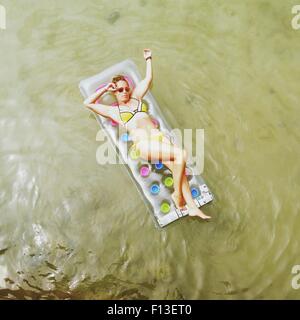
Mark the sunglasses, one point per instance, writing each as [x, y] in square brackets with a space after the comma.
[127, 89]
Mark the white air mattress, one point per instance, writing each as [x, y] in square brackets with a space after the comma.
[152, 188]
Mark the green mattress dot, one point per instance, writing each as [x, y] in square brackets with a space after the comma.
[164, 207]
[168, 182]
[134, 154]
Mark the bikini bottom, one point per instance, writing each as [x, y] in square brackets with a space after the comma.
[135, 151]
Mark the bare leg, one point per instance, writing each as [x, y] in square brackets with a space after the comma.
[192, 207]
[166, 152]
[177, 195]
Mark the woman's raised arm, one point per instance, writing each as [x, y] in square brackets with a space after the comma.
[144, 85]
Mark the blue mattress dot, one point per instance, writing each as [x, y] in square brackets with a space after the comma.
[125, 137]
[155, 189]
[195, 192]
[159, 165]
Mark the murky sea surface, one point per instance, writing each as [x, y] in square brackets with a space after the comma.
[71, 228]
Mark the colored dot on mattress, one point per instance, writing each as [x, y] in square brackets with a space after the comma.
[155, 189]
[188, 172]
[144, 171]
[113, 123]
[159, 165]
[155, 122]
[165, 207]
[168, 182]
[134, 154]
[195, 192]
[125, 137]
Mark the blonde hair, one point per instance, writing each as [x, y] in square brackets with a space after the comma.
[117, 78]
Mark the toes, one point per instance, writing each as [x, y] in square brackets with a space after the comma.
[196, 213]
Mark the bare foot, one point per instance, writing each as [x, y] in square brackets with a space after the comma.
[197, 212]
[179, 200]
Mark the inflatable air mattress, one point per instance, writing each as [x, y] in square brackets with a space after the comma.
[154, 181]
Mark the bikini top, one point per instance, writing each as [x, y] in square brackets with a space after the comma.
[126, 114]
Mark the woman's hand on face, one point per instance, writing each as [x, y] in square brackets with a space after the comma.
[147, 53]
[111, 87]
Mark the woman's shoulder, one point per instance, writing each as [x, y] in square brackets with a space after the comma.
[135, 98]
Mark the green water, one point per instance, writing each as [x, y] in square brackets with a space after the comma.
[70, 228]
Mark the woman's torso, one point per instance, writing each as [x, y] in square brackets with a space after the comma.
[140, 124]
